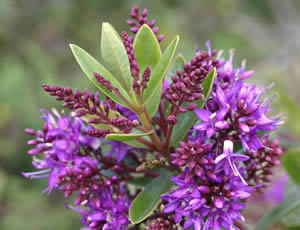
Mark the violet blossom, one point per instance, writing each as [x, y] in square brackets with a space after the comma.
[58, 143]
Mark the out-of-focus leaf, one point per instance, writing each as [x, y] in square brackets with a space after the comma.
[90, 65]
[285, 208]
[177, 64]
[291, 163]
[292, 109]
[186, 120]
[292, 220]
[126, 136]
[146, 202]
[115, 56]
[141, 181]
[160, 71]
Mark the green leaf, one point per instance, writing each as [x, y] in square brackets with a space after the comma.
[126, 136]
[141, 181]
[146, 48]
[292, 220]
[146, 202]
[292, 109]
[153, 103]
[136, 143]
[89, 65]
[289, 205]
[177, 64]
[148, 53]
[186, 120]
[291, 162]
[160, 71]
[115, 56]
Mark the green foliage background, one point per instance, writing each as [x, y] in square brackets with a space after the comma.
[34, 38]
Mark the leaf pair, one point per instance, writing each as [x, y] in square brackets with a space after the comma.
[148, 53]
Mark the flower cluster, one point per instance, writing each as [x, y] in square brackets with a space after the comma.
[71, 161]
[216, 181]
[198, 138]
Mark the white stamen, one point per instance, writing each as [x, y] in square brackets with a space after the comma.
[213, 115]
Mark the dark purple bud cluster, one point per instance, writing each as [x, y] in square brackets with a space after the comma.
[87, 103]
[261, 163]
[83, 178]
[100, 133]
[105, 83]
[141, 20]
[194, 154]
[163, 221]
[135, 69]
[83, 102]
[146, 77]
[124, 124]
[186, 85]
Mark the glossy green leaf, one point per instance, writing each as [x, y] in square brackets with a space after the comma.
[126, 136]
[148, 53]
[288, 206]
[146, 48]
[153, 103]
[291, 162]
[186, 120]
[147, 200]
[115, 56]
[160, 70]
[89, 65]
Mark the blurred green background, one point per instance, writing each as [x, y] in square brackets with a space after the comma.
[34, 39]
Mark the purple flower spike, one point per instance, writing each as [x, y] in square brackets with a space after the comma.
[139, 20]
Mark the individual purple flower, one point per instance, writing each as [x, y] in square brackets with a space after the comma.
[228, 158]
[211, 122]
[108, 212]
[59, 143]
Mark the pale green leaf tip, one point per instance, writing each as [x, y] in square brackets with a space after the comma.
[145, 26]
[72, 46]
